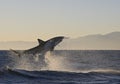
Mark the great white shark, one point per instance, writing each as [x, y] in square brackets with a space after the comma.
[42, 48]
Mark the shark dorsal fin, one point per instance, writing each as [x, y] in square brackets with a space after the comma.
[40, 41]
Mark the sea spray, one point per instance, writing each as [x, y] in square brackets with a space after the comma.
[54, 62]
[25, 62]
[49, 61]
[70, 61]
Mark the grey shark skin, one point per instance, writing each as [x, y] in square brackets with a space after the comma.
[43, 47]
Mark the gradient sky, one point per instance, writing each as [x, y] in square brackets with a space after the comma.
[27, 20]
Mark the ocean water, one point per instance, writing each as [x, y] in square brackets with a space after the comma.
[61, 67]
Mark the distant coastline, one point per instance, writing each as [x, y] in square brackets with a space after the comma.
[108, 41]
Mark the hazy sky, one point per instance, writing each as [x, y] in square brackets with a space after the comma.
[27, 20]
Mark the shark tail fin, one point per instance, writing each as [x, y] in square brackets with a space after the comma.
[16, 52]
[40, 41]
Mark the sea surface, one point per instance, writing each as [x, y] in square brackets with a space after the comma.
[61, 67]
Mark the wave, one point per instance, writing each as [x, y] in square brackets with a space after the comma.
[58, 77]
[48, 73]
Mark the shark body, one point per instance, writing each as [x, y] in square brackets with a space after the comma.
[43, 47]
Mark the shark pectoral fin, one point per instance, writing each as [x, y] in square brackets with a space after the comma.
[52, 48]
[19, 55]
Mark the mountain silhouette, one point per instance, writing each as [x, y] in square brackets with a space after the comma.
[110, 41]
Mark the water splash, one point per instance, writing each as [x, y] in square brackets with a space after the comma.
[55, 62]
[39, 62]
[64, 61]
